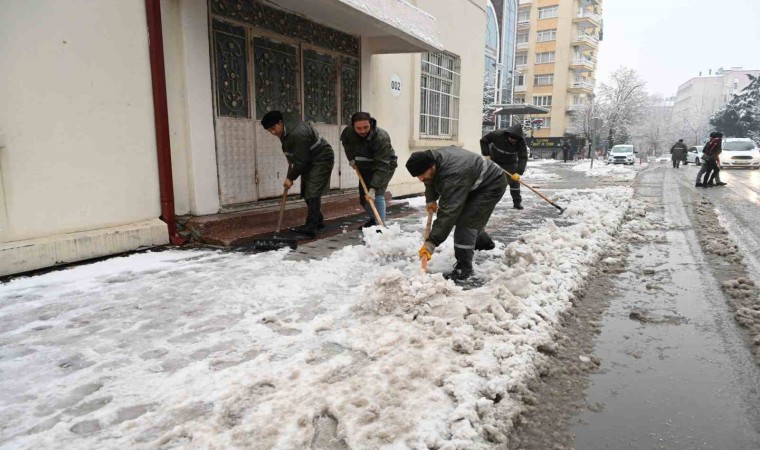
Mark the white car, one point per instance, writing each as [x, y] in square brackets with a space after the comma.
[621, 154]
[693, 156]
[740, 152]
[663, 158]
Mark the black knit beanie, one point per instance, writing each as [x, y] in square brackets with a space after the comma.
[419, 162]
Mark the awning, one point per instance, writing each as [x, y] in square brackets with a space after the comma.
[389, 26]
[519, 108]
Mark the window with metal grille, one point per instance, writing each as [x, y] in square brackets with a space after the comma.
[548, 12]
[543, 80]
[546, 35]
[543, 58]
[439, 102]
[542, 100]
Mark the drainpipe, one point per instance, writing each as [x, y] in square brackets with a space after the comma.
[161, 118]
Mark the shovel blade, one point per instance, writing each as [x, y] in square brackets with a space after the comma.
[266, 245]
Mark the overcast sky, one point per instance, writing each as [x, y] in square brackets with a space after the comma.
[670, 41]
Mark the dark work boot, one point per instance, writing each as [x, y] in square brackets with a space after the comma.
[484, 242]
[462, 271]
[367, 224]
[305, 229]
[312, 218]
[518, 205]
[463, 267]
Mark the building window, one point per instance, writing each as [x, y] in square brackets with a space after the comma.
[548, 12]
[546, 35]
[439, 102]
[523, 15]
[547, 122]
[519, 99]
[543, 58]
[542, 100]
[543, 80]
[519, 80]
[521, 59]
[522, 38]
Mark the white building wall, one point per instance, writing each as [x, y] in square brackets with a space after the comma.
[462, 26]
[77, 111]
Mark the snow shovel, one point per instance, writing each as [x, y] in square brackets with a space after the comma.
[276, 243]
[370, 200]
[427, 234]
[561, 210]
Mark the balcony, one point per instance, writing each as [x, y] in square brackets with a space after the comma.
[588, 41]
[582, 85]
[575, 108]
[522, 45]
[584, 63]
[523, 24]
[588, 18]
[526, 2]
[519, 88]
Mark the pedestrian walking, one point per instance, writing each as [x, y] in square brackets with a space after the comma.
[506, 147]
[710, 157]
[309, 157]
[368, 149]
[565, 150]
[463, 188]
[678, 153]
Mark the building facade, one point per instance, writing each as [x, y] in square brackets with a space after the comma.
[501, 23]
[700, 97]
[557, 45]
[88, 106]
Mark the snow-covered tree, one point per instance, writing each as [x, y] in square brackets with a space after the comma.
[740, 117]
[581, 119]
[489, 100]
[622, 104]
[656, 132]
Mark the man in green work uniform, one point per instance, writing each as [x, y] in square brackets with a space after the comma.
[464, 188]
[369, 149]
[310, 157]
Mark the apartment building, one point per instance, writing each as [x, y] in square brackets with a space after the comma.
[700, 97]
[556, 58]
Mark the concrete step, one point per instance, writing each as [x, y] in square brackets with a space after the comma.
[231, 229]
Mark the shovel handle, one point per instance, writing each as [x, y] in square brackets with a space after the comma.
[282, 209]
[561, 210]
[370, 200]
[427, 234]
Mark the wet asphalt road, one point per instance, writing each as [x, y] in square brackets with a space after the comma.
[683, 377]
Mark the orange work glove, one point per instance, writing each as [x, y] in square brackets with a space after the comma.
[427, 250]
[431, 207]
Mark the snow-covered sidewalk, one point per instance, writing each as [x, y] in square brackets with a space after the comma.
[206, 349]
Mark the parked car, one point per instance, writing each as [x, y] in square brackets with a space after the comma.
[621, 154]
[693, 156]
[740, 152]
[663, 158]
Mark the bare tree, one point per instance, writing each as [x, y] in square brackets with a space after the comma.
[622, 104]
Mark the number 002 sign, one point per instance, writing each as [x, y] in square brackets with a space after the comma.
[395, 85]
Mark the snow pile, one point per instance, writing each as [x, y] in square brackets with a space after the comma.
[533, 174]
[616, 172]
[222, 350]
